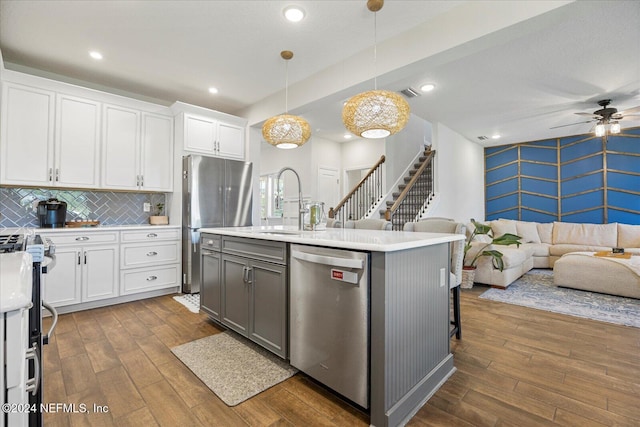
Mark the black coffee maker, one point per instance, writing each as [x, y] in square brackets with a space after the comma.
[52, 213]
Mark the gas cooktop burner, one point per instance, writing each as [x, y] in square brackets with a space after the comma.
[11, 242]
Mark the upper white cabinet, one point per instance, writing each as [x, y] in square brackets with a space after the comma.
[208, 134]
[213, 137]
[58, 135]
[27, 135]
[137, 150]
[77, 142]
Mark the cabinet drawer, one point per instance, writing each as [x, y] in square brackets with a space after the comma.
[80, 238]
[210, 241]
[148, 279]
[150, 235]
[143, 254]
[264, 250]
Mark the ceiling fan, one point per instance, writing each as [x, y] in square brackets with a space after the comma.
[607, 116]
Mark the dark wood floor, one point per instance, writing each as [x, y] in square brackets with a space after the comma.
[516, 367]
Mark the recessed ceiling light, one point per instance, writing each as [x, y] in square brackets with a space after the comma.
[213, 90]
[294, 13]
[95, 54]
[495, 136]
[348, 136]
[427, 87]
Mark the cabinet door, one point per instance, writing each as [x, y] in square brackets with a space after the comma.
[199, 134]
[157, 153]
[121, 147]
[235, 293]
[26, 138]
[77, 143]
[100, 272]
[230, 141]
[62, 285]
[210, 283]
[268, 308]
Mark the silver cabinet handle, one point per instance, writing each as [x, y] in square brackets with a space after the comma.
[50, 174]
[152, 235]
[78, 258]
[82, 238]
[33, 383]
[85, 258]
[151, 278]
[246, 275]
[57, 174]
[152, 253]
[141, 180]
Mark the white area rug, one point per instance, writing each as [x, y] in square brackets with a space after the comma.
[234, 368]
[191, 301]
[537, 290]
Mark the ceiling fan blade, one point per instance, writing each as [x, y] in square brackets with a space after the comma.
[588, 114]
[628, 117]
[630, 110]
[572, 124]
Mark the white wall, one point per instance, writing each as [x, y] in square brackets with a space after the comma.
[360, 154]
[459, 175]
[402, 148]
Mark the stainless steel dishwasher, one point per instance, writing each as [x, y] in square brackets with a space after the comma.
[329, 321]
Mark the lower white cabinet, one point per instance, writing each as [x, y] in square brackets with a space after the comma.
[149, 260]
[83, 273]
[95, 265]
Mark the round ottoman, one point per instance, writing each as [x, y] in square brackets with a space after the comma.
[583, 270]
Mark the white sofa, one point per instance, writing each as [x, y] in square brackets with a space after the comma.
[544, 243]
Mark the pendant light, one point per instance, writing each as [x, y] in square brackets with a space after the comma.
[376, 113]
[286, 131]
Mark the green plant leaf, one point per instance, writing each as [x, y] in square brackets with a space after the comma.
[507, 239]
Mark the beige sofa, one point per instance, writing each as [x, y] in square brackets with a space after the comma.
[544, 243]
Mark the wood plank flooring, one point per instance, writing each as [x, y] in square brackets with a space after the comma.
[516, 367]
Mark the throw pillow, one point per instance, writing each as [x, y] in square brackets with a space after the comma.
[628, 236]
[503, 226]
[528, 231]
[545, 231]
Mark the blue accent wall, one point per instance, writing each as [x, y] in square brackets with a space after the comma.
[579, 178]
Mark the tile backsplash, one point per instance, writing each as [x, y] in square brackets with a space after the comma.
[108, 207]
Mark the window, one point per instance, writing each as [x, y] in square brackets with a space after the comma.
[271, 191]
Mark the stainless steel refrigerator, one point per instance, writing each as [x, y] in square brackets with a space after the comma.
[215, 193]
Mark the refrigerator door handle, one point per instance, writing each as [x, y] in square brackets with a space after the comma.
[328, 260]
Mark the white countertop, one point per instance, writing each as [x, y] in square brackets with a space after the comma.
[366, 240]
[35, 230]
[16, 278]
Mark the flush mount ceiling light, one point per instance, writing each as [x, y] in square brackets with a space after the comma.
[376, 113]
[293, 13]
[286, 131]
[213, 90]
[95, 54]
[427, 87]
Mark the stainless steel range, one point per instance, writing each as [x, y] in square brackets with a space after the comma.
[42, 252]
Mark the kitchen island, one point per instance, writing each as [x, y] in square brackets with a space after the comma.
[408, 307]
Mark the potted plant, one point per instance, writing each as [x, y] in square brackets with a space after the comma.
[158, 218]
[470, 264]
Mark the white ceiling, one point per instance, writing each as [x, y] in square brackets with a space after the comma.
[518, 81]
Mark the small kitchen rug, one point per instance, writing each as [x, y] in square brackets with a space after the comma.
[234, 368]
[191, 301]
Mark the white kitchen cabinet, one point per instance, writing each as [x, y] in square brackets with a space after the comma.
[26, 140]
[213, 137]
[156, 164]
[87, 268]
[48, 139]
[137, 150]
[121, 148]
[77, 143]
[149, 260]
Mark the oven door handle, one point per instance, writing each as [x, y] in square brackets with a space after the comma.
[54, 313]
[33, 384]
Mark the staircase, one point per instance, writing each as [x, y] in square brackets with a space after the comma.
[414, 195]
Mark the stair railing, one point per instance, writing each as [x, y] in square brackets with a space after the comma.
[415, 196]
[363, 197]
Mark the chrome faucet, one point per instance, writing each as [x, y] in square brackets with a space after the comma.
[301, 209]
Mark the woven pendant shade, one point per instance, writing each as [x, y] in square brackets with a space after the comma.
[286, 131]
[375, 114]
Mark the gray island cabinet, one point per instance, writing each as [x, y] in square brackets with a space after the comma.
[409, 355]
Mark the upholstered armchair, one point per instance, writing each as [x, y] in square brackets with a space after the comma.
[445, 225]
[369, 224]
